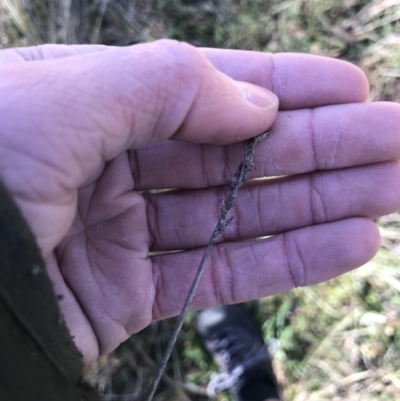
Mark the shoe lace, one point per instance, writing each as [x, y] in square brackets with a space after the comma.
[234, 358]
[224, 380]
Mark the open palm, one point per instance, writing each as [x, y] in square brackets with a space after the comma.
[86, 133]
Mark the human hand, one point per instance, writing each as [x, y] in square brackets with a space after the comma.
[83, 133]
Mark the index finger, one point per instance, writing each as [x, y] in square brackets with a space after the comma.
[299, 80]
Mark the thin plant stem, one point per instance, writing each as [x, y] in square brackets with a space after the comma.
[237, 181]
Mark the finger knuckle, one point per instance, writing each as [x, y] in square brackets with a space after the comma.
[188, 63]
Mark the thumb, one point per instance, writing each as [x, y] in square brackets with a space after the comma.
[61, 118]
[109, 101]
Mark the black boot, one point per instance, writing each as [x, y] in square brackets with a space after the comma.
[235, 343]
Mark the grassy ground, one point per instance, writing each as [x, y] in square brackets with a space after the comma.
[338, 340]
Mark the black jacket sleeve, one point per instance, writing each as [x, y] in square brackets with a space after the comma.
[38, 358]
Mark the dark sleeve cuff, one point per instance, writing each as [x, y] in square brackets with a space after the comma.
[38, 358]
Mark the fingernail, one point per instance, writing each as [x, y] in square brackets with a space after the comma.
[257, 95]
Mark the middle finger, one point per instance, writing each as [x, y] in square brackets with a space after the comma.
[185, 219]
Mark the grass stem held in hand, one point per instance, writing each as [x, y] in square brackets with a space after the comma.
[237, 181]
